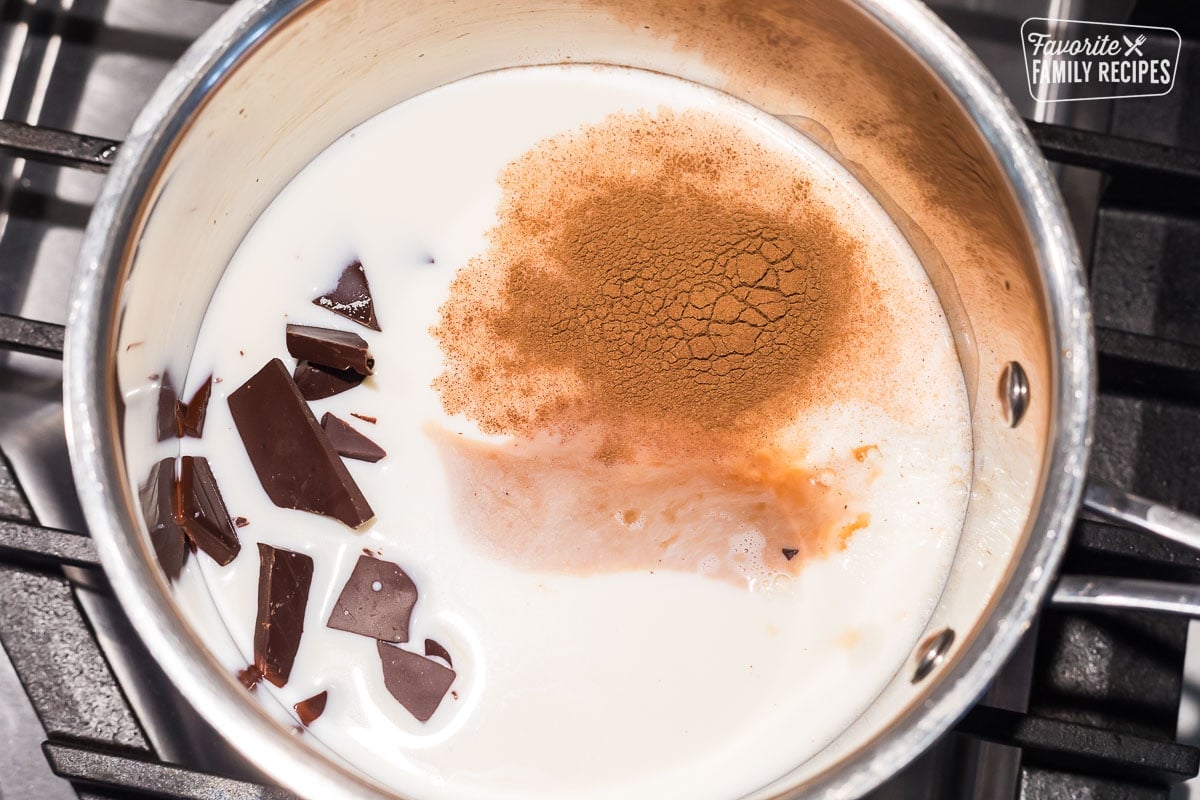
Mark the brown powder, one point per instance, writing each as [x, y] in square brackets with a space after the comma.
[661, 276]
[661, 297]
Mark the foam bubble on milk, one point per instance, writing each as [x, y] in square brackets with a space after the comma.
[647, 684]
[746, 551]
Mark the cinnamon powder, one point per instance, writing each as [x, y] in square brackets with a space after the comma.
[662, 296]
[658, 274]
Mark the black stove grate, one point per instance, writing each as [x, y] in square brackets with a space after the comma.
[31, 336]
[1100, 717]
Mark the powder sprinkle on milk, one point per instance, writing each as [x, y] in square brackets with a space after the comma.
[662, 295]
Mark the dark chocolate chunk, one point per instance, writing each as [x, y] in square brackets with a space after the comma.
[308, 710]
[417, 683]
[193, 412]
[330, 348]
[284, 578]
[432, 648]
[351, 298]
[171, 549]
[316, 382]
[158, 510]
[349, 442]
[241, 522]
[168, 409]
[202, 511]
[250, 676]
[294, 461]
[789, 553]
[377, 601]
[176, 418]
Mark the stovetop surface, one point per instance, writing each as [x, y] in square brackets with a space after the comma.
[81, 698]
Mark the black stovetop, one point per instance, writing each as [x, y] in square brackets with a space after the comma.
[1088, 706]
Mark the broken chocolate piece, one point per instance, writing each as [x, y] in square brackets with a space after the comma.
[351, 298]
[193, 412]
[176, 418]
[284, 578]
[789, 553]
[158, 511]
[417, 683]
[294, 461]
[364, 417]
[331, 348]
[168, 409]
[432, 648]
[202, 511]
[308, 710]
[377, 601]
[317, 383]
[250, 676]
[349, 442]
[241, 522]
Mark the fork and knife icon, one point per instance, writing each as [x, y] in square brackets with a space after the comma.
[1134, 46]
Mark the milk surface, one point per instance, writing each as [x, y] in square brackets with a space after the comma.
[627, 684]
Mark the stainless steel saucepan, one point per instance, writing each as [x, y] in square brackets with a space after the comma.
[882, 84]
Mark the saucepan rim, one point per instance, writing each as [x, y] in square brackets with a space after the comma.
[88, 377]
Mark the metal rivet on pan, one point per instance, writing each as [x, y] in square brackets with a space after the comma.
[932, 652]
[1014, 393]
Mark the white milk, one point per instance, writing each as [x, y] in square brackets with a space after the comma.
[621, 685]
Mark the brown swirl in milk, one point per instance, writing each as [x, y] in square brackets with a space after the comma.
[551, 505]
[661, 298]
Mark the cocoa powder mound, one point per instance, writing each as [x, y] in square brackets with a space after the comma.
[662, 279]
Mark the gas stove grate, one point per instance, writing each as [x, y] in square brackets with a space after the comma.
[31, 336]
[45, 546]
[132, 773]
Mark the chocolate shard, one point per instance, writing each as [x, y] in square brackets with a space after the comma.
[351, 298]
[417, 683]
[284, 578]
[377, 601]
[308, 710]
[435, 650]
[294, 461]
[249, 677]
[176, 418]
[789, 553]
[240, 522]
[158, 509]
[202, 511]
[330, 348]
[168, 409]
[317, 383]
[348, 442]
[193, 412]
